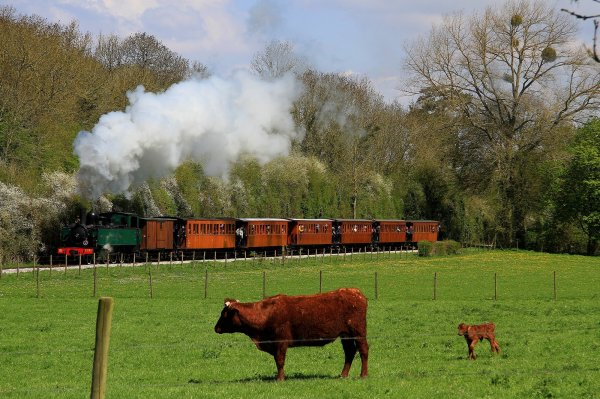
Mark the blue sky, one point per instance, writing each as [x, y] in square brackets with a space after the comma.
[362, 37]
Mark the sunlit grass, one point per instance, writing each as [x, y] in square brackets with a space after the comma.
[165, 346]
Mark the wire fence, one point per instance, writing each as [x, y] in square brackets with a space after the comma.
[385, 279]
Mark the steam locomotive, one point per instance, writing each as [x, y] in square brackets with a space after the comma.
[128, 233]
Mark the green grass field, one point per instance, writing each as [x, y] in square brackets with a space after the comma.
[165, 346]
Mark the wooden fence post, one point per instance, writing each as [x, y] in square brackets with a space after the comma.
[495, 286]
[95, 276]
[320, 281]
[150, 281]
[36, 267]
[205, 283]
[103, 327]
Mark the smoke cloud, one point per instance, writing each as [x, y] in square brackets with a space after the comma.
[211, 121]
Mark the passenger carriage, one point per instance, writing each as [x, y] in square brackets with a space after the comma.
[310, 232]
[352, 232]
[207, 234]
[261, 233]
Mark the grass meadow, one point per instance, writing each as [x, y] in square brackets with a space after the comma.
[164, 346]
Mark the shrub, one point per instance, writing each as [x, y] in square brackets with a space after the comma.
[425, 248]
[439, 248]
[452, 247]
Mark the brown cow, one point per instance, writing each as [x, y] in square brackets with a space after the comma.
[478, 332]
[281, 322]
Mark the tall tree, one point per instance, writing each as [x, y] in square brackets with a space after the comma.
[515, 77]
[578, 198]
[337, 113]
[277, 59]
[151, 57]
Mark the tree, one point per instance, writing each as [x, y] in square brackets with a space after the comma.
[594, 17]
[338, 114]
[150, 57]
[578, 198]
[516, 80]
[277, 59]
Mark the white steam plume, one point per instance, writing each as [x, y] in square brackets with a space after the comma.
[211, 121]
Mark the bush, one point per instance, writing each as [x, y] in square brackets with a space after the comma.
[439, 248]
[425, 248]
[452, 247]
[447, 247]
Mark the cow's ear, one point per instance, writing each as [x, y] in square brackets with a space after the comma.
[228, 302]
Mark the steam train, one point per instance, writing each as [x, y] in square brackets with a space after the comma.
[127, 233]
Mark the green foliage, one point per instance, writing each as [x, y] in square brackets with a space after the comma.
[549, 54]
[516, 20]
[578, 196]
[162, 199]
[446, 247]
[438, 248]
[425, 248]
[188, 177]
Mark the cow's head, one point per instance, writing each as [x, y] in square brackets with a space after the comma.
[462, 329]
[229, 321]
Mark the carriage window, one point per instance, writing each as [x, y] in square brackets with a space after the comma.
[195, 229]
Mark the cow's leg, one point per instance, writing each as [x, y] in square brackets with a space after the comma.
[363, 349]
[349, 346]
[280, 361]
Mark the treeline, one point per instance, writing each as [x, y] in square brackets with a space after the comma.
[502, 149]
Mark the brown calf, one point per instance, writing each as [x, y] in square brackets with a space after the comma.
[281, 322]
[478, 332]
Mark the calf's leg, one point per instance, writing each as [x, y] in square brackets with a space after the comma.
[471, 344]
[495, 346]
